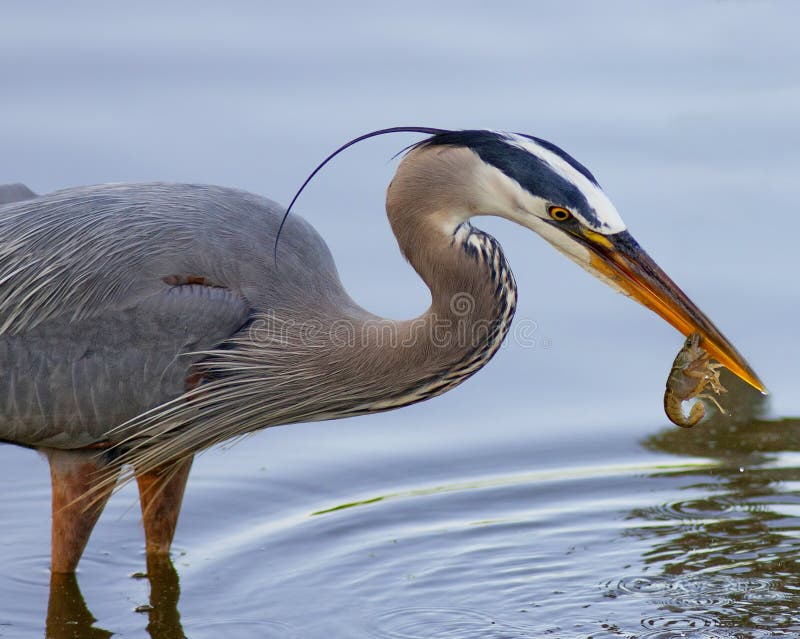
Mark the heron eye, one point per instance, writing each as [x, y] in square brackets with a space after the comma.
[559, 213]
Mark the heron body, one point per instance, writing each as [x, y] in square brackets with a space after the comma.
[143, 323]
[106, 335]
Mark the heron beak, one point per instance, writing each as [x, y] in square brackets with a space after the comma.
[622, 260]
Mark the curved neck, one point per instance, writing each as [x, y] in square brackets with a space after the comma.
[473, 302]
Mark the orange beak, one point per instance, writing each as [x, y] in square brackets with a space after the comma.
[619, 258]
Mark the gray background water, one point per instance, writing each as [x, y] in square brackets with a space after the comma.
[687, 112]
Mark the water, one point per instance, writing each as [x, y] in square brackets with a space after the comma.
[685, 532]
[547, 496]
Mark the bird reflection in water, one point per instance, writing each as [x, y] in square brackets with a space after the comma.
[68, 617]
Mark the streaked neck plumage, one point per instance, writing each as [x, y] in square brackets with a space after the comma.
[473, 302]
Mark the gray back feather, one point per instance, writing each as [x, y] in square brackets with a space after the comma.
[81, 252]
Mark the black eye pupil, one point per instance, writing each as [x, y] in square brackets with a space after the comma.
[559, 214]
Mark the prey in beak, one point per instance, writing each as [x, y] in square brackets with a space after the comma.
[619, 258]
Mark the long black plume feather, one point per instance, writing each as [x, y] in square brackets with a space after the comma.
[394, 129]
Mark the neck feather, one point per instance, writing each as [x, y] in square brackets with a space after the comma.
[473, 302]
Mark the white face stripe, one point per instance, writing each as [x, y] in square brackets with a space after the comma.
[611, 222]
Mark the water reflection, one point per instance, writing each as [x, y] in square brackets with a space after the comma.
[69, 618]
[67, 614]
[724, 553]
[164, 620]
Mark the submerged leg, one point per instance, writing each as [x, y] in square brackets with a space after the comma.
[72, 474]
[161, 495]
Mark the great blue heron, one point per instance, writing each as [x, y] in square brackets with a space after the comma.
[142, 323]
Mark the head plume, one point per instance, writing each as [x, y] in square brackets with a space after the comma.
[347, 145]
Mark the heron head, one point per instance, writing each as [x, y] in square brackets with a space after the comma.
[537, 185]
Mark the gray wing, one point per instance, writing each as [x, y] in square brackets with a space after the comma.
[67, 384]
[15, 193]
[99, 301]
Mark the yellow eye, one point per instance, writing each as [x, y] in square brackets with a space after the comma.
[559, 213]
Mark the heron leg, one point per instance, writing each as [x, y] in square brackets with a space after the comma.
[161, 495]
[73, 474]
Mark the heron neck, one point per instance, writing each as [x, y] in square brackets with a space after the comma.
[473, 301]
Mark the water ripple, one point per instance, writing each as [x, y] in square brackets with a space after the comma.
[244, 628]
[638, 585]
[438, 623]
[680, 621]
[703, 633]
[688, 512]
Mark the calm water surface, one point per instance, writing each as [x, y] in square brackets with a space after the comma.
[547, 496]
